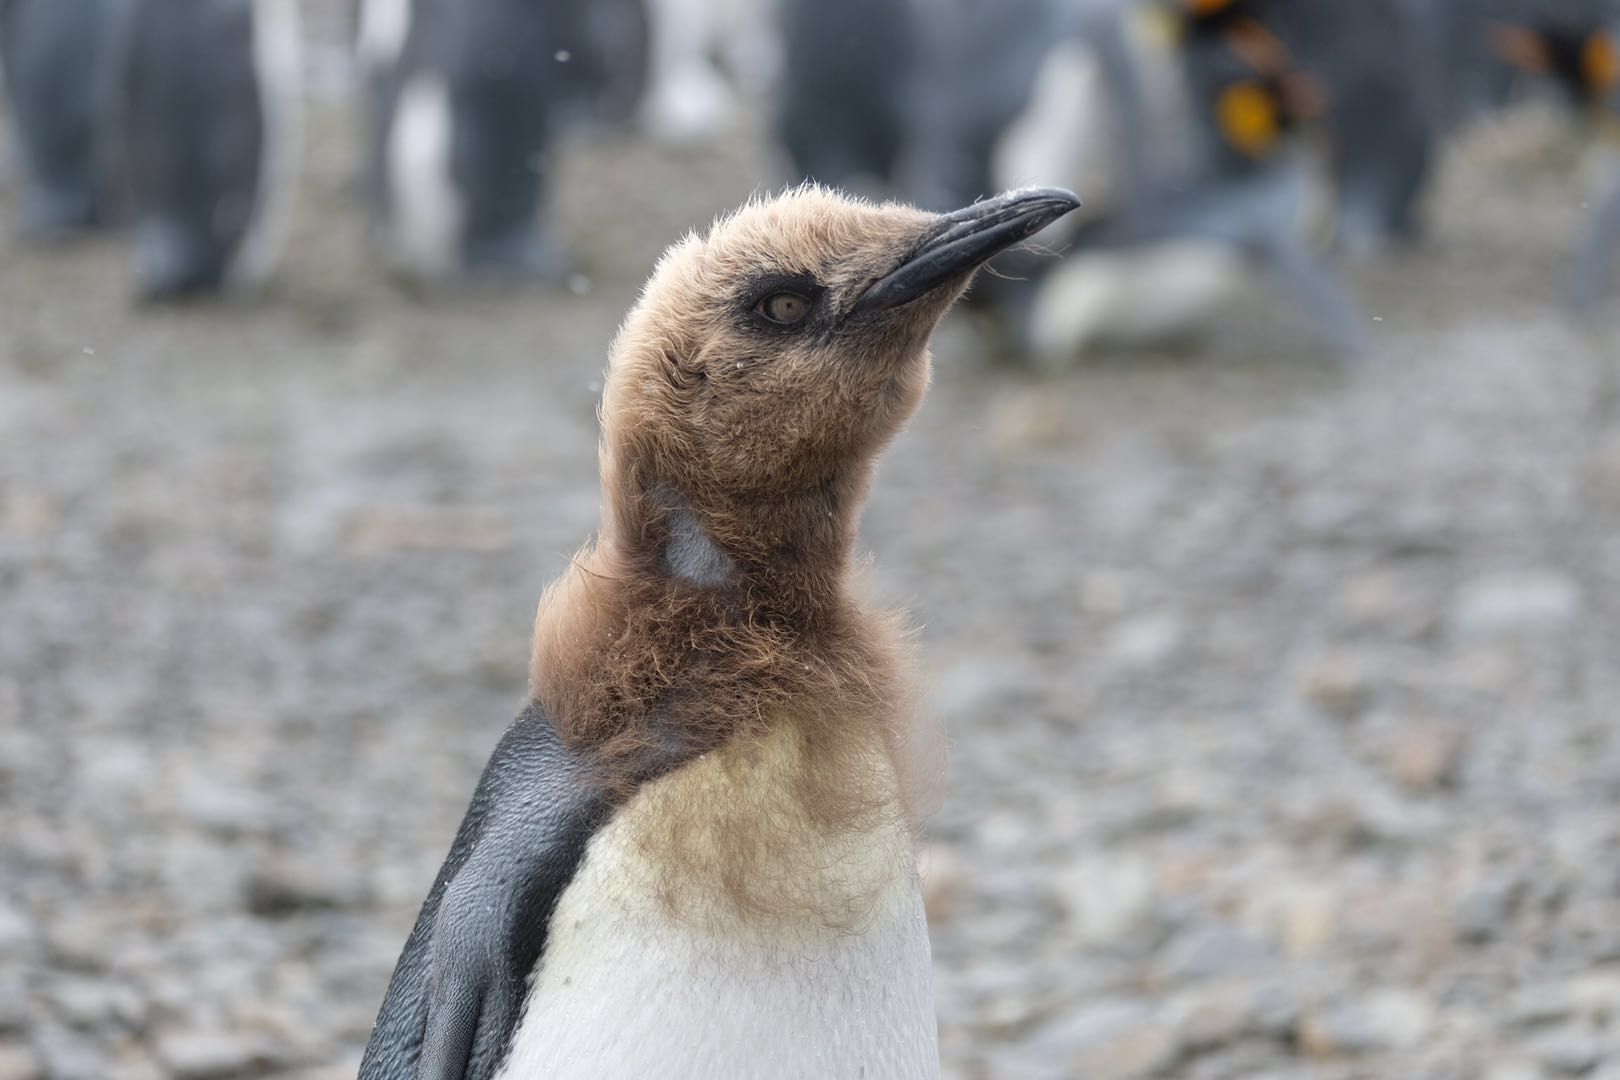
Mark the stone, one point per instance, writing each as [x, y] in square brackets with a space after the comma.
[1116, 1039]
[1570, 1052]
[17, 1062]
[1514, 1069]
[1425, 756]
[1339, 683]
[1377, 598]
[18, 934]
[377, 530]
[1486, 910]
[218, 805]
[284, 884]
[1147, 641]
[1309, 919]
[68, 1055]
[1104, 896]
[1106, 594]
[213, 1055]
[1386, 1020]
[1212, 1017]
[1207, 952]
[945, 882]
[1517, 601]
[92, 1002]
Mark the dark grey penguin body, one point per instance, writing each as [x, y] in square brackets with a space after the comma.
[466, 101]
[56, 55]
[957, 122]
[1382, 93]
[844, 101]
[1568, 50]
[458, 988]
[207, 120]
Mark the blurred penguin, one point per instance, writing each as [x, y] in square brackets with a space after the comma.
[55, 56]
[703, 53]
[467, 99]
[1573, 47]
[1183, 232]
[208, 121]
[1382, 96]
[845, 100]
[973, 79]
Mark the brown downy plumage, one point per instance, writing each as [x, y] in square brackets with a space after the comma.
[748, 395]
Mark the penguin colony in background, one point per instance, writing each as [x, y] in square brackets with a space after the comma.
[1222, 137]
[180, 116]
[691, 856]
[466, 99]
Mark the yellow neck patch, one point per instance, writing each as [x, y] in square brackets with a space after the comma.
[1600, 62]
[1246, 115]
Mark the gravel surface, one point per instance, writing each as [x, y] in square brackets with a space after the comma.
[1283, 692]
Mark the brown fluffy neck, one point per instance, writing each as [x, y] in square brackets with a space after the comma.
[646, 669]
[784, 551]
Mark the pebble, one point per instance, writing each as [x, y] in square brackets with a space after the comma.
[1486, 910]
[1215, 951]
[1104, 896]
[1425, 756]
[285, 884]
[18, 935]
[1517, 601]
[213, 1055]
[93, 1002]
[1340, 684]
[1572, 1051]
[1385, 1020]
[1144, 642]
[17, 1062]
[1121, 1040]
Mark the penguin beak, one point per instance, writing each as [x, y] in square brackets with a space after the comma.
[965, 239]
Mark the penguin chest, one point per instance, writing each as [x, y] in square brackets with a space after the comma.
[715, 929]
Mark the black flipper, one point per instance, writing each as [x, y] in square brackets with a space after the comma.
[457, 992]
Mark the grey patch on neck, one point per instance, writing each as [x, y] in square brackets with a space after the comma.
[690, 555]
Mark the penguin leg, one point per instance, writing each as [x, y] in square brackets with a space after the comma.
[1317, 289]
[56, 212]
[521, 254]
[1593, 272]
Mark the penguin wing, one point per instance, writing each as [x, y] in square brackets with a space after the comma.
[458, 990]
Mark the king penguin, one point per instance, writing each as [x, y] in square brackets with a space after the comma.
[691, 855]
[208, 123]
[54, 60]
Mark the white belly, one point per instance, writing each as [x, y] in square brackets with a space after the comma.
[1143, 296]
[816, 966]
[624, 999]
[277, 64]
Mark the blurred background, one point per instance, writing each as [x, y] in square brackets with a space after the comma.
[1264, 545]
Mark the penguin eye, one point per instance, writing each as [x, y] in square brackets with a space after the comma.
[784, 308]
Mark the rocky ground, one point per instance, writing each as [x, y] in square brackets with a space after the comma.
[1283, 693]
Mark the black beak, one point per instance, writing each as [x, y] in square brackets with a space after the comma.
[965, 239]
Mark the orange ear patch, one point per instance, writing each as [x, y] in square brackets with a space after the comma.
[1258, 47]
[1247, 116]
[1524, 49]
[1204, 8]
[1600, 62]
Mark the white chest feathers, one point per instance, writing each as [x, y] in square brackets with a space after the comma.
[730, 923]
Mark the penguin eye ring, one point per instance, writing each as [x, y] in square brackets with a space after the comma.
[784, 308]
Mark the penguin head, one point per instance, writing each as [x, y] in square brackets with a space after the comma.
[784, 347]
[1579, 56]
